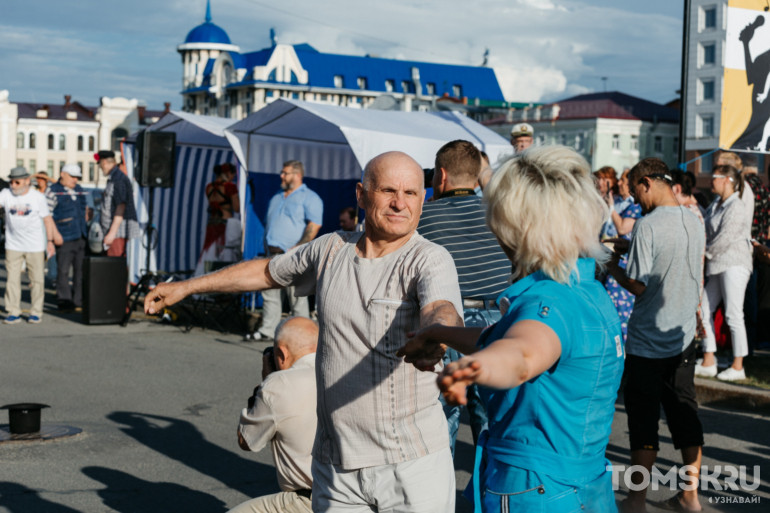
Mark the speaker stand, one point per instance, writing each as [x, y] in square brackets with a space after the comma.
[142, 287]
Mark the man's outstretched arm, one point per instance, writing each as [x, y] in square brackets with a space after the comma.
[247, 276]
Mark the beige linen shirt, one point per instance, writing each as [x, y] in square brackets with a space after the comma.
[373, 409]
[285, 413]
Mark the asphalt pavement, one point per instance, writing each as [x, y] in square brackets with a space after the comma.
[158, 408]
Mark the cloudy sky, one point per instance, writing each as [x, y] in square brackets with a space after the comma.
[541, 50]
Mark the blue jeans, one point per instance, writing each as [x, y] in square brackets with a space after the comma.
[474, 317]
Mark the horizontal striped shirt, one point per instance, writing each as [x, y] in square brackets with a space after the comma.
[458, 224]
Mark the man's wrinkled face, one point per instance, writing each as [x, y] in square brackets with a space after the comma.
[68, 180]
[521, 142]
[20, 186]
[106, 165]
[393, 198]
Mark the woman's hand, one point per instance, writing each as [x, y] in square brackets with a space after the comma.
[457, 376]
[423, 348]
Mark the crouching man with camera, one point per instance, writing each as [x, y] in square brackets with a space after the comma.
[282, 411]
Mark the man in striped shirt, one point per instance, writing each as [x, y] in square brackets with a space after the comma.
[456, 220]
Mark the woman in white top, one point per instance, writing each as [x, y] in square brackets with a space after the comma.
[728, 268]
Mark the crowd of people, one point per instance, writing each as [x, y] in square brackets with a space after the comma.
[473, 299]
[50, 221]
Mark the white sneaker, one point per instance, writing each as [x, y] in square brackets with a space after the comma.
[705, 372]
[730, 374]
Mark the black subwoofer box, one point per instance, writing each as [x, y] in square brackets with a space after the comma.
[104, 289]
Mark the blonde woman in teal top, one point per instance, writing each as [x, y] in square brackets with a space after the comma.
[551, 367]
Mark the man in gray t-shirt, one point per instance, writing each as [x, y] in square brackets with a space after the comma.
[665, 266]
[382, 437]
[666, 256]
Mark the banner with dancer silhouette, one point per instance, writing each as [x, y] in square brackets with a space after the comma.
[745, 123]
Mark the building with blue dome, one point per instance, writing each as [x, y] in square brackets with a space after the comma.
[219, 80]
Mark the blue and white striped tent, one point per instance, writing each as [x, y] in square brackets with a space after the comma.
[179, 212]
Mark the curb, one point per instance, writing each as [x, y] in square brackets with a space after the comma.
[741, 397]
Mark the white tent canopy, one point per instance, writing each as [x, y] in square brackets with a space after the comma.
[193, 129]
[340, 131]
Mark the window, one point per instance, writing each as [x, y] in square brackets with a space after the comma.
[50, 142]
[707, 90]
[61, 165]
[707, 125]
[33, 166]
[457, 91]
[227, 73]
[20, 140]
[91, 143]
[32, 141]
[324, 97]
[362, 83]
[709, 54]
[226, 112]
[675, 148]
[233, 98]
[430, 87]
[49, 167]
[91, 168]
[615, 141]
[247, 108]
[338, 81]
[709, 17]
[19, 162]
[80, 143]
[658, 144]
[62, 141]
[563, 139]
[268, 93]
[406, 86]
[390, 85]
[634, 143]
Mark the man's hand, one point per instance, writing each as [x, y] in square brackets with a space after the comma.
[51, 249]
[761, 252]
[58, 240]
[109, 239]
[165, 294]
[457, 376]
[423, 349]
[619, 245]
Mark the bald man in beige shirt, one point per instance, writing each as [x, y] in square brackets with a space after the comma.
[284, 414]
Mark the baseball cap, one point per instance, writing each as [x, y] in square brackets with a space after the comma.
[72, 170]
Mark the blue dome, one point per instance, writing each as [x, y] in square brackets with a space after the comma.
[207, 33]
